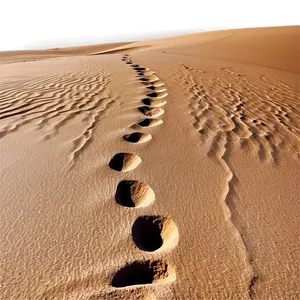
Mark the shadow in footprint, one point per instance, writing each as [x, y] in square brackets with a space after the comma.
[150, 122]
[143, 272]
[139, 69]
[146, 233]
[132, 193]
[137, 137]
[152, 95]
[154, 103]
[124, 162]
[151, 87]
[150, 233]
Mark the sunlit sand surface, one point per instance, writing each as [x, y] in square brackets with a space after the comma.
[160, 169]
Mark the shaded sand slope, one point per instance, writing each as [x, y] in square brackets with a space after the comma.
[172, 173]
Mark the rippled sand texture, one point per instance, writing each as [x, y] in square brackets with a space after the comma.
[161, 169]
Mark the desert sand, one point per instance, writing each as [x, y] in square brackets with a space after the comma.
[158, 169]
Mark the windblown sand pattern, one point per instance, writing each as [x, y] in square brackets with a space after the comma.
[237, 111]
[51, 103]
[161, 169]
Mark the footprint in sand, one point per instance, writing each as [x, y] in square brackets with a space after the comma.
[150, 122]
[151, 233]
[133, 193]
[124, 162]
[144, 272]
[158, 95]
[159, 88]
[149, 79]
[154, 103]
[137, 137]
[145, 74]
[140, 69]
[151, 112]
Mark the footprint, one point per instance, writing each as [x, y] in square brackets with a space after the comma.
[159, 89]
[137, 137]
[158, 95]
[150, 122]
[144, 272]
[132, 193]
[151, 78]
[151, 233]
[154, 103]
[144, 70]
[151, 112]
[156, 86]
[124, 162]
[139, 69]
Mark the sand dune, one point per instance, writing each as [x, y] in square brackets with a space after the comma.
[160, 169]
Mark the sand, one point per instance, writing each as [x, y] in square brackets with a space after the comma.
[160, 169]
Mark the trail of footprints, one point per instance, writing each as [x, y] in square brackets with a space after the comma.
[150, 233]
